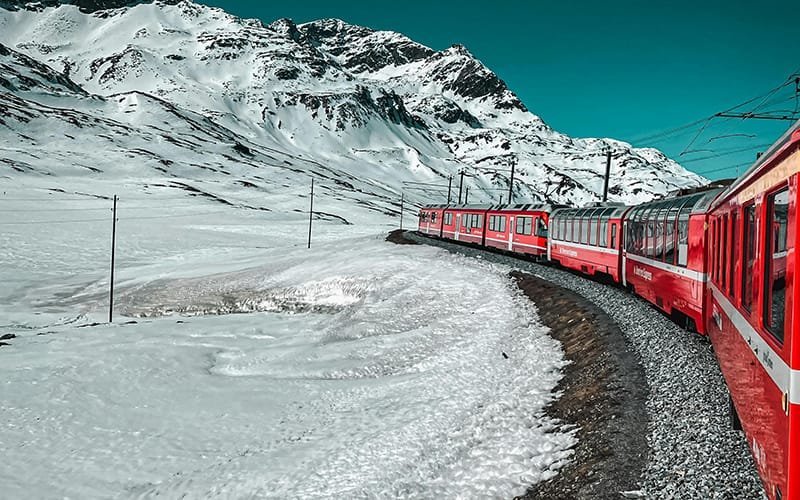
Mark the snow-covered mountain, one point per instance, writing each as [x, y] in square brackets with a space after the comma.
[211, 103]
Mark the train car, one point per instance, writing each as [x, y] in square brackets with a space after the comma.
[588, 240]
[466, 223]
[521, 228]
[663, 259]
[751, 253]
[431, 219]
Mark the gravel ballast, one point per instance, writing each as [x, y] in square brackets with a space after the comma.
[693, 453]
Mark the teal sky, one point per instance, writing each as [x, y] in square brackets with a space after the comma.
[623, 69]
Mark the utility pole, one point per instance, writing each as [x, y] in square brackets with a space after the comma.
[511, 182]
[608, 174]
[402, 195]
[449, 185]
[113, 252]
[466, 197]
[460, 186]
[310, 212]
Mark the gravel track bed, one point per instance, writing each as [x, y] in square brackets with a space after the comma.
[693, 451]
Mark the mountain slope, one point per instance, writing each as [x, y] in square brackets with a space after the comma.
[374, 106]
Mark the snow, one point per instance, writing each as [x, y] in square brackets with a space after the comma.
[242, 364]
[227, 69]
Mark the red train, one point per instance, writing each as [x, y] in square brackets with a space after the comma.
[720, 262]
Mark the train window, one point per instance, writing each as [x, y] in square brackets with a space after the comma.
[733, 247]
[524, 225]
[613, 235]
[666, 234]
[433, 217]
[585, 228]
[749, 256]
[541, 227]
[497, 223]
[715, 247]
[562, 231]
[477, 220]
[724, 244]
[670, 236]
[603, 233]
[650, 232]
[683, 239]
[448, 219]
[775, 264]
[571, 230]
[593, 231]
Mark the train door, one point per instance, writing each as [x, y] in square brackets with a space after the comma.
[510, 232]
[458, 226]
[791, 318]
[623, 252]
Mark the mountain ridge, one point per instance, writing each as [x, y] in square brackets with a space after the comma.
[374, 103]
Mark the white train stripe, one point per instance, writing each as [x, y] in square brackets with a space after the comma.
[787, 380]
[688, 273]
[794, 388]
[505, 242]
[612, 251]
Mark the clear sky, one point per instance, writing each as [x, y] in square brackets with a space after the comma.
[625, 69]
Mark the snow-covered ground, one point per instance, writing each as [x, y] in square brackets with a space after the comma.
[242, 364]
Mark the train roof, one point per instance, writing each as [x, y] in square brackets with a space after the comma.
[605, 209]
[517, 206]
[693, 203]
[792, 135]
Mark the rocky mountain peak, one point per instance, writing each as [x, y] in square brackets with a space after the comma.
[327, 91]
[86, 6]
[287, 28]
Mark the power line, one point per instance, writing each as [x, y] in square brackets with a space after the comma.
[727, 153]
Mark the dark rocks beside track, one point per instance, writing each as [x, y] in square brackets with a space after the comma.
[398, 236]
[603, 394]
[689, 448]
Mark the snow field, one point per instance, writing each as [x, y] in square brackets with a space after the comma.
[256, 367]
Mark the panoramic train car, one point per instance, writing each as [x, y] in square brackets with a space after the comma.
[751, 322]
[430, 219]
[467, 223]
[663, 259]
[588, 240]
[519, 228]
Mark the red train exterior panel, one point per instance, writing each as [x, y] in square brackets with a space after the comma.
[430, 220]
[520, 229]
[752, 313]
[664, 255]
[588, 240]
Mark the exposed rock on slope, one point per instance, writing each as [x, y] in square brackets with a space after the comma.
[374, 104]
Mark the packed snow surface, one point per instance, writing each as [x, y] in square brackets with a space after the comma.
[241, 364]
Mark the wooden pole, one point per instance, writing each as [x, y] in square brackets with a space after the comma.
[460, 186]
[449, 185]
[310, 212]
[608, 174]
[511, 182]
[113, 255]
